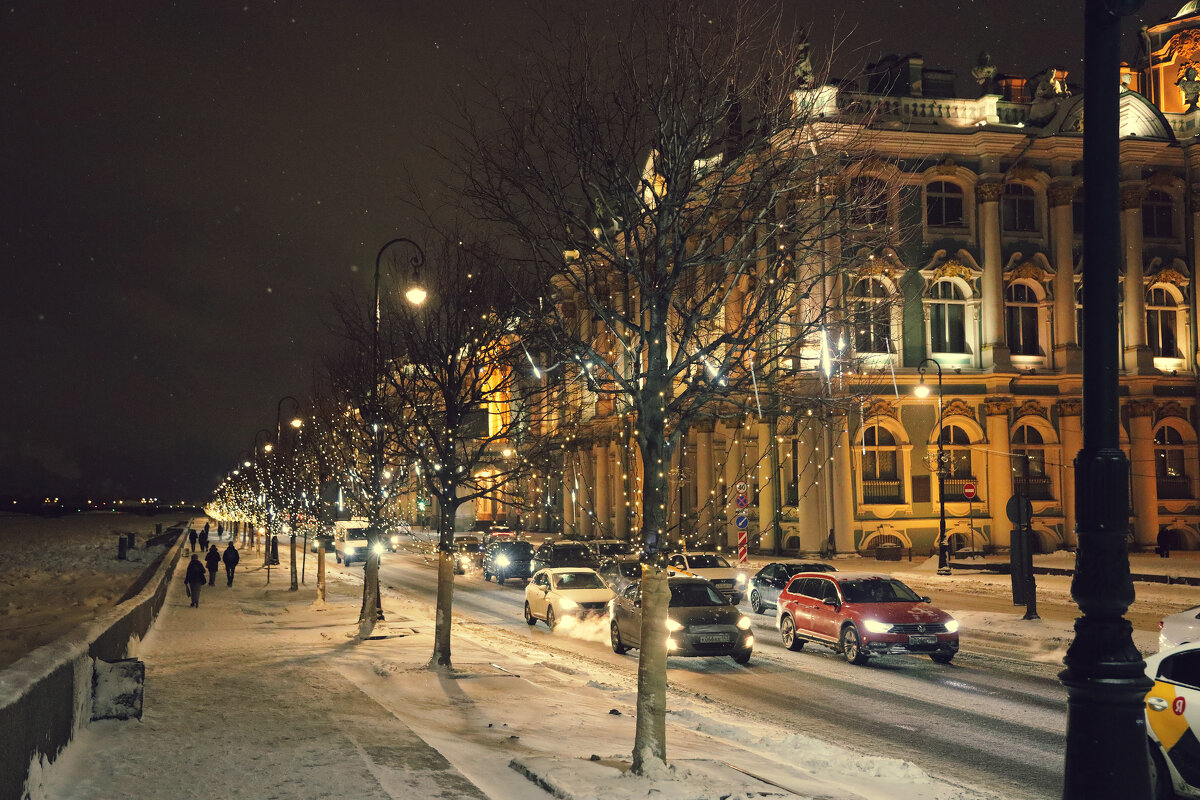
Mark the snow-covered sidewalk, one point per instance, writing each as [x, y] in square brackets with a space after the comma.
[258, 694]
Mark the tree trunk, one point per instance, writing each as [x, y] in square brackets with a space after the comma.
[445, 588]
[372, 608]
[321, 572]
[295, 572]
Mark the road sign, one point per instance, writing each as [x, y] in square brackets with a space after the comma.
[741, 487]
[969, 491]
[742, 521]
[742, 501]
[1019, 510]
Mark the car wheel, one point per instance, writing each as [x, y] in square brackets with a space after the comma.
[618, 646]
[551, 622]
[942, 658]
[500, 580]
[742, 658]
[756, 603]
[787, 630]
[487, 576]
[1160, 778]
[852, 646]
[529, 618]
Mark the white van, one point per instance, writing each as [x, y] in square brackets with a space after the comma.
[350, 541]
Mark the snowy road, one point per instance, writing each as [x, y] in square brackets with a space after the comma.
[980, 722]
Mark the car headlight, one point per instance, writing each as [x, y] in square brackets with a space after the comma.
[673, 626]
[875, 626]
[395, 540]
[744, 623]
[378, 548]
[350, 549]
[567, 604]
[741, 579]
[951, 626]
[502, 561]
[672, 644]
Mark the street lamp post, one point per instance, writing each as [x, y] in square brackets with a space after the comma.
[264, 487]
[295, 424]
[923, 391]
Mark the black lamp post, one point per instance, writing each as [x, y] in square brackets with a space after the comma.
[923, 391]
[1105, 675]
[295, 424]
[264, 485]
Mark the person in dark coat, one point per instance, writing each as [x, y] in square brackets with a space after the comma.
[231, 559]
[192, 538]
[220, 531]
[194, 579]
[204, 538]
[212, 560]
[1164, 544]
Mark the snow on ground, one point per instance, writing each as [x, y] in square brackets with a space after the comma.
[59, 571]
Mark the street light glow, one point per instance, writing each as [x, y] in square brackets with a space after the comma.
[921, 391]
[416, 295]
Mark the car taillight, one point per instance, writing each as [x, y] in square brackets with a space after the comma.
[1160, 622]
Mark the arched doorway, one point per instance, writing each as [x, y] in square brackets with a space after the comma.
[1181, 539]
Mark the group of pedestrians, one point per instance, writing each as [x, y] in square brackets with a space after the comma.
[195, 578]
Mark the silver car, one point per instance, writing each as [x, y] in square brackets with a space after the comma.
[1179, 628]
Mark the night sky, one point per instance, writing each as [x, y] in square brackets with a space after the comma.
[187, 185]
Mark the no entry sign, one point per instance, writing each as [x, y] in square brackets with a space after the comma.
[969, 491]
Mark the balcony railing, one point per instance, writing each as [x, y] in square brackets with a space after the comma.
[1174, 487]
[880, 492]
[954, 490]
[1035, 487]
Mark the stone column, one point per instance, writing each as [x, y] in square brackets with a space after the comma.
[603, 518]
[705, 499]
[570, 525]
[621, 499]
[766, 494]
[994, 347]
[1137, 355]
[587, 491]
[1067, 354]
[843, 487]
[733, 470]
[1142, 472]
[1071, 436]
[999, 468]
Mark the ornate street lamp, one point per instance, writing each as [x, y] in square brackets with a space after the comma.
[923, 391]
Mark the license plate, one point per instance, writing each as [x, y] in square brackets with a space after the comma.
[713, 638]
[922, 640]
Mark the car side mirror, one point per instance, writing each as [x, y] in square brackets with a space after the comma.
[829, 601]
[926, 599]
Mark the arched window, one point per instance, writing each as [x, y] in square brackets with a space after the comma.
[948, 318]
[944, 205]
[867, 203]
[1018, 208]
[957, 446]
[1029, 464]
[871, 317]
[880, 466]
[1170, 465]
[1158, 210]
[1162, 320]
[1022, 307]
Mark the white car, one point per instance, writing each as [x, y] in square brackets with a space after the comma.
[350, 542]
[1179, 629]
[1173, 720]
[713, 567]
[557, 592]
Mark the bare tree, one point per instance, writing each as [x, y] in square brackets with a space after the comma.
[473, 411]
[685, 195]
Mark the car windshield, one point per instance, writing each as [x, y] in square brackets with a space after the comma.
[792, 569]
[572, 551]
[877, 590]
[706, 562]
[578, 580]
[691, 595]
[467, 543]
[612, 548]
[516, 549]
[630, 569]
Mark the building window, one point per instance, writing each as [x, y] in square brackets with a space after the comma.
[1158, 216]
[1162, 317]
[1029, 464]
[1170, 475]
[957, 446]
[944, 205]
[871, 316]
[1022, 309]
[880, 466]
[867, 204]
[1018, 208]
[948, 318]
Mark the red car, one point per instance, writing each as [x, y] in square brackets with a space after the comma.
[862, 614]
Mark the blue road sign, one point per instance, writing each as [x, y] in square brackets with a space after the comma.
[742, 521]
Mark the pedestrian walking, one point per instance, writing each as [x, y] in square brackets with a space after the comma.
[220, 531]
[204, 538]
[194, 579]
[231, 559]
[212, 560]
[192, 538]
[1164, 544]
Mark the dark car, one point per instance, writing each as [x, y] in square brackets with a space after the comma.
[603, 548]
[563, 554]
[620, 571]
[863, 614]
[317, 539]
[507, 558]
[700, 619]
[769, 581]
[468, 553]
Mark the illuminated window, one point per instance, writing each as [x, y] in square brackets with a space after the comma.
[947, 318]
[1162, 320]
[1022, 318]
[1169, 464]
[957, 446]
[871, 316]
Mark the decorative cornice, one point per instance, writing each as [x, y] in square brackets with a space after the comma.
[947, 167]
[1070, 408]
[1141, 408]
[989, 192]
[1162, 179]
[1186, 46]
[881, 408]
[952, 269]
[1132, 197]
[1032, 407]
[1062, 194]
[1172, 408]
[996, 406]
[1170, 275]
[1029, 270]
[1025, 172]
[957, 408]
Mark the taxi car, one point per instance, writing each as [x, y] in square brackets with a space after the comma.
[1172, 719]
[863, 614]
[728, 579]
